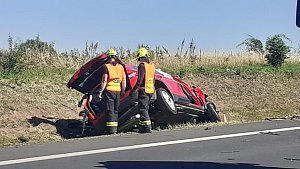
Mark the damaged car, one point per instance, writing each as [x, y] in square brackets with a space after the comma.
[174, 101]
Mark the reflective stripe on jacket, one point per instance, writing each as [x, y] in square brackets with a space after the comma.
[115, 76]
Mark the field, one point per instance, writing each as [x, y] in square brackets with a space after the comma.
[36, 105]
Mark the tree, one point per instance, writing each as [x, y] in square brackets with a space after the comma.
[276, 50]
[37, 46]
[10, 60]
[253, 45]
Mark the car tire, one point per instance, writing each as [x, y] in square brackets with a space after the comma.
[165, 102]
[211, 112]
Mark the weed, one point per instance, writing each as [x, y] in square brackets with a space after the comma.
[241, 84]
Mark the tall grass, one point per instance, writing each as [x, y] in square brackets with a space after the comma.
[233, 63]
[41, 61]
[40, 75]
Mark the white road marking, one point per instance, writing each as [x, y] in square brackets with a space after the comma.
[106, 150]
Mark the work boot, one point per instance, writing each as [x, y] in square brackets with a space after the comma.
[110, 130]
[144, 129]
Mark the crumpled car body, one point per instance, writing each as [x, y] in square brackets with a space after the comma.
[173, 102]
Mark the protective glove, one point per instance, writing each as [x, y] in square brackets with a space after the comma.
[100, 95]
[122, 93]
[79, 104]
[131, 93]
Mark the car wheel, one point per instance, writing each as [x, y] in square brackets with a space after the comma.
[211, 112]
[165, 102]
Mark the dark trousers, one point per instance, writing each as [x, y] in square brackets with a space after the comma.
[112, 100]
[143, 105]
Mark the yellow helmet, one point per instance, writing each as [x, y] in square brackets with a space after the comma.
[142, 52]
[112, 52]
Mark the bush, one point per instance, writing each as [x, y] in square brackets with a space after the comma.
[11, 60]
[22, 55]
[37, 53]
[37, 46]
[276, 50]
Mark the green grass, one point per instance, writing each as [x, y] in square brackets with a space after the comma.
[62, 75]
[52, 75]
[288, 69]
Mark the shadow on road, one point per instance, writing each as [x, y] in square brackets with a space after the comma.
[177, 165]
[67, 128]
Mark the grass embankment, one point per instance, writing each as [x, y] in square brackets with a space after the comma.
[52, 75]
[253, 94]
[36, 106]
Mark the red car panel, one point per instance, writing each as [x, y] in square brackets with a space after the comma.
[189, 101]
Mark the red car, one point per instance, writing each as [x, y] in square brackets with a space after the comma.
[173, 102]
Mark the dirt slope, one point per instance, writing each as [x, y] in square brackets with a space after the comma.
[35, 112]
[40, 111]
[253, 97]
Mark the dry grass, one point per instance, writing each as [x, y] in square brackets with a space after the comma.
[237, 59]
[32, 112]
[212, 60]
[252, 98]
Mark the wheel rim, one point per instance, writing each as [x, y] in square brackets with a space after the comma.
[169, 100]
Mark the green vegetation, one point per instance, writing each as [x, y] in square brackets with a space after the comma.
[276, 50]
[37, 60]
[36, 102]
[253, 45]
[10, 60]
[288, 69]
[39, 74]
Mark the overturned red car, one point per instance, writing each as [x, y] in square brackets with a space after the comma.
[173, 102]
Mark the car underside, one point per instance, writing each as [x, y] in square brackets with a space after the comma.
[174, 101]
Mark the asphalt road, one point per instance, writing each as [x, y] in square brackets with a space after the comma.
[246, 146]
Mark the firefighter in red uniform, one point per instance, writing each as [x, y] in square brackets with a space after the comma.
[113, 85]
[145, 88]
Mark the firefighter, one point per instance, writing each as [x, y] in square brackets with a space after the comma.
[113, 85]
[145, 88]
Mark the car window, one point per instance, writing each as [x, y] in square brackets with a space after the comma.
[162, 73]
